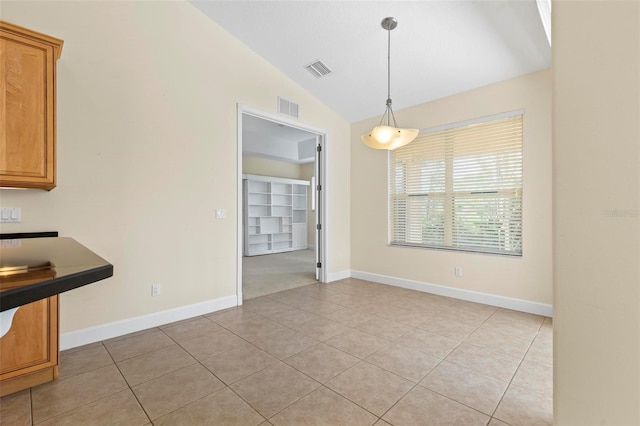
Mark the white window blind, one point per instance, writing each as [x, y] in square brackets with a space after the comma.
[460, 188]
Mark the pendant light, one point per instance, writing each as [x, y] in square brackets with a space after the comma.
[387, 134]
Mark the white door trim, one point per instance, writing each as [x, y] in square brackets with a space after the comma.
[323, 202]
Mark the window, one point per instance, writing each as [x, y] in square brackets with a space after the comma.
[460, 188]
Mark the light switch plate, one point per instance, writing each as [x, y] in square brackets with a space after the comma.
[221, 214]
[10, 214]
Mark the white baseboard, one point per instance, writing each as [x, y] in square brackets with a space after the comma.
[98, 333]
[458, 293]
[336, 276]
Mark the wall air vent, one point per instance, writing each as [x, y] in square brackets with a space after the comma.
[318, 69]
[288, 107]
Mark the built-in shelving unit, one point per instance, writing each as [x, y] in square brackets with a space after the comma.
[275, 214]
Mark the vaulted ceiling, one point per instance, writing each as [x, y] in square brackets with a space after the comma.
[440, 47]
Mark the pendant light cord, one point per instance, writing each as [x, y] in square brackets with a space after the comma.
[389, 67]
[388, 113]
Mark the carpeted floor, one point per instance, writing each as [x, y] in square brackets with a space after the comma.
[271, 273]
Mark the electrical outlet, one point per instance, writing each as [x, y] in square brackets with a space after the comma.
[221, 214]
[155, 289]
[457, 271]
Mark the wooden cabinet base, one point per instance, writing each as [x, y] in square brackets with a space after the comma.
[29, 351]
[26, 381]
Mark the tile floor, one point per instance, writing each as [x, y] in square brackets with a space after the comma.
[347, 353]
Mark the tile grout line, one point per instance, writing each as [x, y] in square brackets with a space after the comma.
[434, 367]
[31, 405]
[226, 386]
[391, 341]
[443, 359]
[364, 359]
[197, 361]
[351, 306]
[127, 382]
[490, 416]
[301, 372]
[361, 360]
[90, 402]
[515, 372]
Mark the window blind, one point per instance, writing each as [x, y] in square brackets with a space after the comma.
[460, 188]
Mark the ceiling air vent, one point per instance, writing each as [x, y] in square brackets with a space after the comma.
[318, 69]
[287, 107]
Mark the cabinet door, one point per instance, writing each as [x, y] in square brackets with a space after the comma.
[27, 113]
[31, 344]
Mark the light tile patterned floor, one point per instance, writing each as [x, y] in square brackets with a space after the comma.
[346, 353]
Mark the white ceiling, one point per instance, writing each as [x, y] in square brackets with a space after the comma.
[440, 47]
[267, 139]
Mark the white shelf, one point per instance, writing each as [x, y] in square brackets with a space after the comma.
[275, 214]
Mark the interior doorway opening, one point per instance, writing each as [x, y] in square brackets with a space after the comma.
[281, 207]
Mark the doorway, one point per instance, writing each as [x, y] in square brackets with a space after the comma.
[288, 156]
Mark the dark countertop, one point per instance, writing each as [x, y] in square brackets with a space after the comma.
[36, 268]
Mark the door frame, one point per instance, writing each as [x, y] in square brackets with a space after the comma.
[321, 195]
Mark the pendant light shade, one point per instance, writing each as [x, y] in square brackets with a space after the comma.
[387, 137]
[387, 134]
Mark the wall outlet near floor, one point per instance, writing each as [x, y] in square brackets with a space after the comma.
[457, 271]
[155, 289]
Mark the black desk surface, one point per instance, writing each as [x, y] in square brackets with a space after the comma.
[36, 268]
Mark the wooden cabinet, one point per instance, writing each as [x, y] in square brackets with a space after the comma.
[275, 214]
[29, 350]
[28, 107]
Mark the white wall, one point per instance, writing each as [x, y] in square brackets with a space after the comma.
[596, 184]
[147, 129]
[528, 278]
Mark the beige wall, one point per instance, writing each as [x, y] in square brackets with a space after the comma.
[267, 167]
[529, 277]
[147, 128]
[596, 132]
